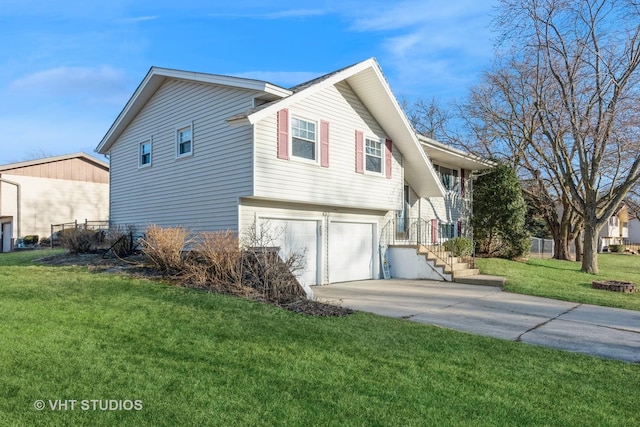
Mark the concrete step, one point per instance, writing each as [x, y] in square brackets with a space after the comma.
[456, 266]
[480, 279]
[465, 273]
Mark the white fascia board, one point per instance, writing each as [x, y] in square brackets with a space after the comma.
[217, 79]
[157, 76]
[330, 81]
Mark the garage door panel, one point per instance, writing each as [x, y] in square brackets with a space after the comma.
[297, 237]
[351, 251]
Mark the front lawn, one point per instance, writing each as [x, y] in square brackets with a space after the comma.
[564, 280]
[195, 358]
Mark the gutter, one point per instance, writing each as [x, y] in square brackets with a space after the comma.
[17, 205]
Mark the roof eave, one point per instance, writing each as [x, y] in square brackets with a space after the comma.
[156, 76]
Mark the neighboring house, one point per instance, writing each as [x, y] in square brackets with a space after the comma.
[37, 193]
[327, 166]
[616, 229]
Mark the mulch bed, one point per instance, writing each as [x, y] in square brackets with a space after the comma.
[135, 266]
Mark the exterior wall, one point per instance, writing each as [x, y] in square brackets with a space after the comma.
[450, 209]
[46, 201]
[339, 184]
[200, 191]
[634, 231]
[252, 210]
[406, 263]
[74, 169]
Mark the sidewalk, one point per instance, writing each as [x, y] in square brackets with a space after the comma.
[486, 310]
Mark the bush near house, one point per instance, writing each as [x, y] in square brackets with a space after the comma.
[499, 215]
[80, 241]
[459, 246]
[218, 261]
[617, 248]
[31, 240]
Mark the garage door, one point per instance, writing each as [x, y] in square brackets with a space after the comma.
[351, 251]
[298, 236]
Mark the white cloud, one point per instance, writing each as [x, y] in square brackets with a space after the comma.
[282, 14]
[65, 81]
[295, 13]
[138, 19]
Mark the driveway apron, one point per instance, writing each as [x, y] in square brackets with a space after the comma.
[486, 310]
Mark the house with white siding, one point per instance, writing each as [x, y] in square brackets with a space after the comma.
[37, 193]
[616, 230]
[331, 166]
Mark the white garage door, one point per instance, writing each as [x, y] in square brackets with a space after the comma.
[351, 251]
[298, 236]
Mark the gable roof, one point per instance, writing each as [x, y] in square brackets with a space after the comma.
[157, 76]
[369, 84]
[365, 79]
[83, 156]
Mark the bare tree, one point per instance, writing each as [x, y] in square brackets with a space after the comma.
[502, 118]
[577, 64]
[429, 118]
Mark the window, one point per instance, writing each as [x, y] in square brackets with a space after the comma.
[448, 177]
[145, 153]
[184, 142]
[373, 155]
[446, 231]
[303, 138]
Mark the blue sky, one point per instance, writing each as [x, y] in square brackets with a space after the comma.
[67, 67]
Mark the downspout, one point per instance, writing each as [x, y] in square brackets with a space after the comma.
[18, 203]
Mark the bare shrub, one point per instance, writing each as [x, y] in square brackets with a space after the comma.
[164, 248]
[269, 270]
[121, 240]
[216, 260]
[80, 241]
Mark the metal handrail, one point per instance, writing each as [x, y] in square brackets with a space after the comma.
[417, 232]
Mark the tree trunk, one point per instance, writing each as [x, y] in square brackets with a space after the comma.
[578, 243]
[590, 254]
[561, 240]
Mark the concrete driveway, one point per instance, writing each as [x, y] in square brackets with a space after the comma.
[486, 310]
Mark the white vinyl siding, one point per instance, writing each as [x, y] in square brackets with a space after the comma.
[339, 184]
[201, 193]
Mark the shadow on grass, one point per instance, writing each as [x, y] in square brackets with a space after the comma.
[567, 266]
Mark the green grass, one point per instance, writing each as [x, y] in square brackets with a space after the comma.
[195, 358]
[564, 280]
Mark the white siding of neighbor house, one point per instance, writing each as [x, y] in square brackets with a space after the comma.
[253, 210]
[46, 201]
[339, 184]
[200, 191]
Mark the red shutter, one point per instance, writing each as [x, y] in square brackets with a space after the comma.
[388, 159]
[359, 152]
[462, 182]
[283, 134]
[434, 231]
[324, 144]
